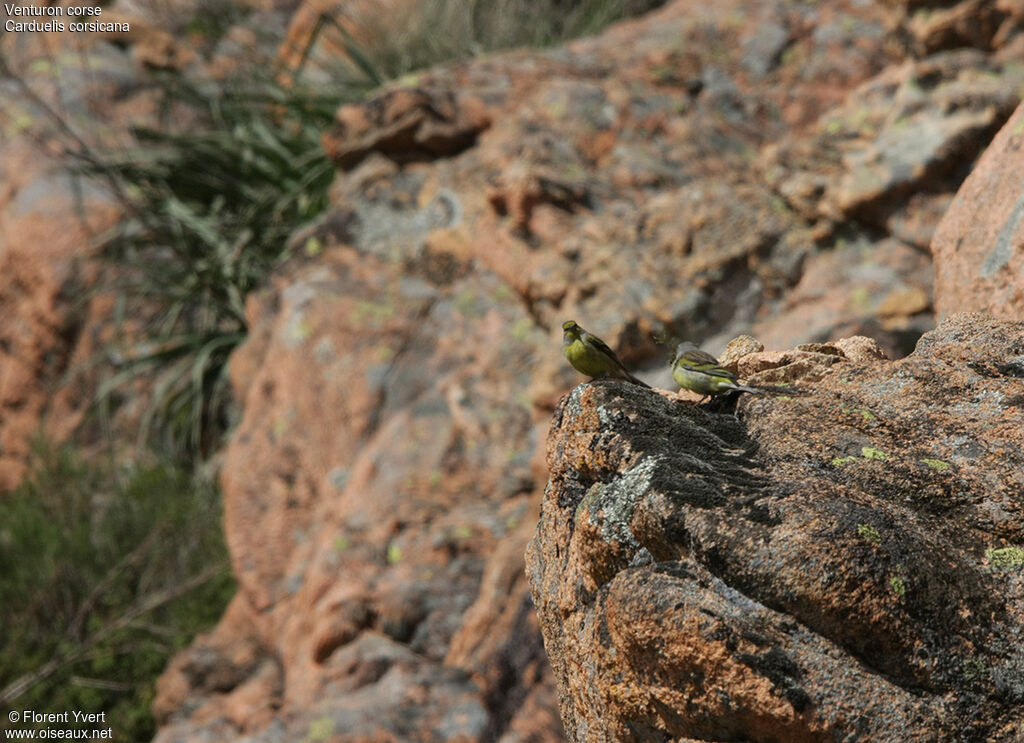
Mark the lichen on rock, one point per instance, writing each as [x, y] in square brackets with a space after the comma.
[715, 576]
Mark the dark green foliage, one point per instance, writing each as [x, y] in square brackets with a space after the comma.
[105, 574]
[208, 213]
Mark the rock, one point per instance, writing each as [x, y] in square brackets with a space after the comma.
[761, 50]
[880, 290]
[54, 320]
[381, 486]
[912, 128]
[799, 367]
[859, 348]
[378, 549]
[738, 348]
[839, 565]
[679, 174]
[405, 125]
[971, 23]
[223, 674]
[397, 385]
[41, 313]
[978, 247]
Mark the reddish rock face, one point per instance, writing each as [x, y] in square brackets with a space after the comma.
[978, 247]
[43, 275]
[405, 125]
[378, 496]
[832, 565]
[400, 373]
[385, 478]
[52, 323]
[710, 169]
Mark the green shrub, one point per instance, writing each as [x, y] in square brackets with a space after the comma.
[208, 212]
[105, 574]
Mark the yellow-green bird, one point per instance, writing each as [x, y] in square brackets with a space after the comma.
[700, 372]
[590, 355]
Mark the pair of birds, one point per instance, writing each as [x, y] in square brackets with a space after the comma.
[693, 369]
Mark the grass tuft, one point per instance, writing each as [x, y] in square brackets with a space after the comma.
[208, 213]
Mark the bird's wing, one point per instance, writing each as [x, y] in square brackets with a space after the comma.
[695, 359]
[601, 346]
[703, 358]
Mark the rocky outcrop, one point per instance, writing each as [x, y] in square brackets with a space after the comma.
[404, 126]
[845, 564]
[979, 245]
[400, 373]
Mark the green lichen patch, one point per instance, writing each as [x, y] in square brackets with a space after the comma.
[394, 555]
[869, 533]
[842, 461]
[936, 464]
[321, 728]
[862, 412]
[372, 314]
[869, 452]
[1005, 557]
[975, 669]
[898, 586]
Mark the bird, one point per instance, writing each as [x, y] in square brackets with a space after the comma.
[590, 355]
[700, 372]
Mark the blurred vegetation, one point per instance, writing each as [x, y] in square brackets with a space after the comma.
[208, 212]
[106, 573]
[435, 31]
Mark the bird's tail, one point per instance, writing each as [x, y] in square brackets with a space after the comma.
[622, 373]
[770, 389]
[634, 380]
